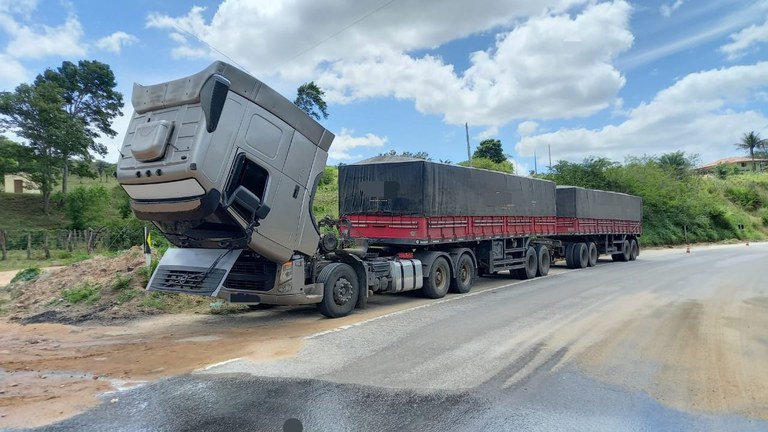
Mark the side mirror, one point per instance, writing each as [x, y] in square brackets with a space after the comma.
[249, 204]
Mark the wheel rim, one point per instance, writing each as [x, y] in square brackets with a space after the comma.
[342, 291]
[464, 273]
[440, 278]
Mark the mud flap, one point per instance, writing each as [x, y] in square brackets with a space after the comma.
[193, 271]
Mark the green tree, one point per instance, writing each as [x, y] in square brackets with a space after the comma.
[10, 154]
[102, 168]
[309, 97]
[751, 141]
[591, 173]
[677, 163]
[89, 98]
[34, 112]
[83, 169]
[85, 206]
[490, 149]
[504, 166]
[416, 155]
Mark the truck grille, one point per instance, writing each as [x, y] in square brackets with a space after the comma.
[250, 274]
[190, 280]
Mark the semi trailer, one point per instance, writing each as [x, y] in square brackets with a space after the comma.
[227, 169]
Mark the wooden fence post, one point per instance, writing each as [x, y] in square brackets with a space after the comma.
[3, 246]
[69, 241]
[46, 250]
[89, 244]
[29, 245]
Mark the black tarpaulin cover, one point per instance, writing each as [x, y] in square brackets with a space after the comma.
[597, 204]
[423, 188]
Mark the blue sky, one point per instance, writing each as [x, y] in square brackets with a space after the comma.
[582, 77]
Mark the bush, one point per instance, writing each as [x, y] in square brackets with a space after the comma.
[27, 274]
[85, 206]
[121, 282]
[746, 197]
[85, 292]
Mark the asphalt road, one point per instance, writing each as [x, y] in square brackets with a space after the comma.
[673, 341]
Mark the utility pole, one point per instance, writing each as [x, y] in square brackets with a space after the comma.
[535, 167]
[469, 152]
[549, 147]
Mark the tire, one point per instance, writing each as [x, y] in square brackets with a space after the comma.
[439, 279]
[592, 251]
[531, 264]
[260, 306]
[580, 255]
[341, 289]
[623, 255]
[465, 275]
[545, 260]
[634, 250]
[569, 255]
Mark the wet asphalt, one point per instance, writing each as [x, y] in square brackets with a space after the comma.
[459, 364]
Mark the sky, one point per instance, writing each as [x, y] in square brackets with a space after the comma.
[574, 78]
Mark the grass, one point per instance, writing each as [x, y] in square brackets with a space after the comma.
[121, 282]
[83, 293]
[17, 259]
[25, 211]
[27, 274]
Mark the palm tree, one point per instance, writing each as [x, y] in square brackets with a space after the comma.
[751, 141]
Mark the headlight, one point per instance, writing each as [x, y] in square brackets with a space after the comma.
[286, 273]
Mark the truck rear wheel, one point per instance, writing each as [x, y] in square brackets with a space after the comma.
[569, 261]
[465, 275]
[592, 249]
[545, 260]
[340, 290]
[531, 264]
[634, 250]
[436, 284]
[580, 255]
[622, 255]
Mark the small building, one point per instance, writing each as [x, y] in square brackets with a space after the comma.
[17, 184]
[742, 163]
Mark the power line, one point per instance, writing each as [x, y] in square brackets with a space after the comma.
[211, 47]
[345, 28]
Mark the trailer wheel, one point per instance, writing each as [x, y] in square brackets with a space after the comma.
[531, 264]
[624, 254]
[545, 260]
[592, 249]
[465, 275]
[340, 290]
[569, 261]
[634, 250]
[436, 285]
[580, 255]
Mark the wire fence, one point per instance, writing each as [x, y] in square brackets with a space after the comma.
[47, 244]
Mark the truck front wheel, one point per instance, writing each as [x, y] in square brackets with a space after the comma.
[340, 290]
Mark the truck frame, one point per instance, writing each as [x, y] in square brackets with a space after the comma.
[227, 170]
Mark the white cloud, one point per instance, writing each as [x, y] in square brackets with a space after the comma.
[345, 142]
[667, 9]
[744, 40]
[527, 128]
[491, 132]
[12, 73]
[696, 114]
[116, 41]
[38, 41]
[550, 64]
[531, 72]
